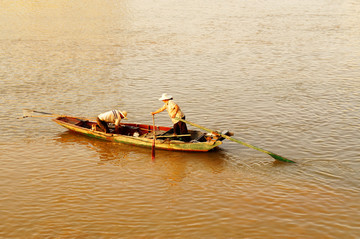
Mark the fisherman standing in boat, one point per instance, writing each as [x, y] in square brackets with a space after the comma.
[113, 116]
[174, 111]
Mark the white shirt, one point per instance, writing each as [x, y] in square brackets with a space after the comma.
[113, 116]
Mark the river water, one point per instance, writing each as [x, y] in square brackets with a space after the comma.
[283, 75]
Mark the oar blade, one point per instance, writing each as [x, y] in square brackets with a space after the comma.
[280, 158]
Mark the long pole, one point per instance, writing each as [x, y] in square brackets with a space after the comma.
[153, 144]
[275, 156]
[28, 113]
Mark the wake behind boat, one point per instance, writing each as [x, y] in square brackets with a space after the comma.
[143, 135]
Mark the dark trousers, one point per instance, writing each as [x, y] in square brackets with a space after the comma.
[181, 128]
[103, 125]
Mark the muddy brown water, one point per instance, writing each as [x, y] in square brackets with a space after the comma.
[282, 75]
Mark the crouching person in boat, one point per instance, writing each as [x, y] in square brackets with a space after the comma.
[113, 116]
[174, 111]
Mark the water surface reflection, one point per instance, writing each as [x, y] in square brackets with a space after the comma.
[175, 165]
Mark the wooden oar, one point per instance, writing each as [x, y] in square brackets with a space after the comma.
[275, 156]
[153, 144]
[27, 113]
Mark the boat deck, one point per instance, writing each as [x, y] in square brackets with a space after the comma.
[139, 130]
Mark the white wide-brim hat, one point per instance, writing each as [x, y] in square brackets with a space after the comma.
[123, 113]
[166, 97]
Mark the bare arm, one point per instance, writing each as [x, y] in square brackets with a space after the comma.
[159, 110]
[117, 123]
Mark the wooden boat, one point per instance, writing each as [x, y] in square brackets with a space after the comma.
[142, 135]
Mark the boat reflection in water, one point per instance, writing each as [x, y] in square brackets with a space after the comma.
[107, 151]
[172, 166]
